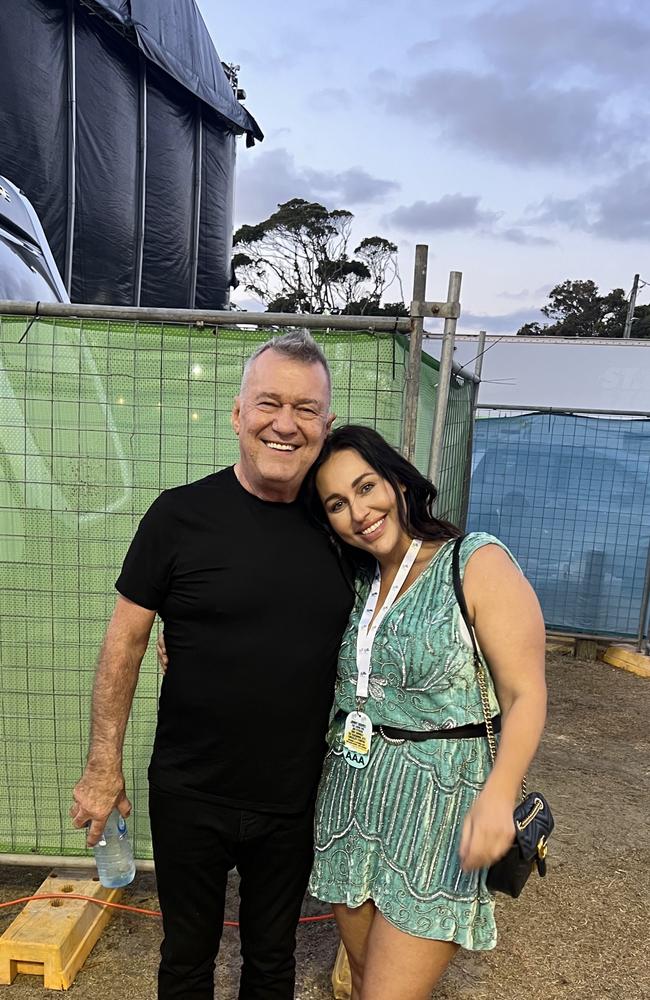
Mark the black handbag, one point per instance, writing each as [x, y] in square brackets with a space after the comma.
[532, 817]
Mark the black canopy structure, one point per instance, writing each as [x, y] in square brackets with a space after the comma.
[119, 122]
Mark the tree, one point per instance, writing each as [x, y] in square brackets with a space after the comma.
[299, 260]
[614, 312]
[577, 309]
[530, 330]
[641, 324]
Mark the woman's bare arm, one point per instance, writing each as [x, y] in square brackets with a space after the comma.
[510, 631]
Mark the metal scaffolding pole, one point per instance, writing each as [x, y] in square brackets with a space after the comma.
[562, 409]
[142, 177]
[629, 319]
[409, 426]
[196, 216]
[62, 861]
[478, 364]
[467, 479]
[442, 396]
[72, 147]
[205, 317]
[642, 637]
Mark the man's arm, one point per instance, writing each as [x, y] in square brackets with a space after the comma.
[101, 786]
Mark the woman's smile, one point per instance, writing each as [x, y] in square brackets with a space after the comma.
[373, 530]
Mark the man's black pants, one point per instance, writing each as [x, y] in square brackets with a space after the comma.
[195, 845]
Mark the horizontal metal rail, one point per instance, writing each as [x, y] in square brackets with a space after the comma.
[511, 338]
[590, 636]
[569, 410]
[205, 317]
[60, 861]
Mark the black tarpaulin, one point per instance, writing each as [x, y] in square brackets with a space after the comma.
[148, 228]
[107, 165]
[170, 193]
[175, 38]
[33, 103]
[218, 173]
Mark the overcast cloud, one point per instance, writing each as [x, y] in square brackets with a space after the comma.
[452, 211]
[506, 323]
[274, 177]
[523, 124]
[545, 38]
[618, 210]
[539, 88]
[459, 213]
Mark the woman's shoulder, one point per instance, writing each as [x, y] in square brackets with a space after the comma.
[474, 541]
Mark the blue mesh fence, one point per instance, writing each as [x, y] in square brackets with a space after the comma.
[570, 496]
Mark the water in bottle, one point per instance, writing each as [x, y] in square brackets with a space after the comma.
[114, 854]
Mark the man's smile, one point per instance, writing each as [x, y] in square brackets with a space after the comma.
[280, 446]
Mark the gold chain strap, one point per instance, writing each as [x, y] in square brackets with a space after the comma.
[485, 698]
[485, 705]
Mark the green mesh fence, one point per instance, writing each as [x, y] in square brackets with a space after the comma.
[453, 482]
[96, 418]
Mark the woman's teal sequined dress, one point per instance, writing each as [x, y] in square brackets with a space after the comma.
[391, 832]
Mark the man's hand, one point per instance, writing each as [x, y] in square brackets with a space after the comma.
[101, 787]
[161, 652]
[488, 831]
[95, 796]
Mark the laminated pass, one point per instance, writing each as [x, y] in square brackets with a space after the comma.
[357, 734]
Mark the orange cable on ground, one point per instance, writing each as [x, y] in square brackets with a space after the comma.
[132, 909]
[89, 899]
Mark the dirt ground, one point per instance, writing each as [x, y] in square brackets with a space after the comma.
[582, 933]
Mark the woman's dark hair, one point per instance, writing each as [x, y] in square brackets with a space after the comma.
[415, 493]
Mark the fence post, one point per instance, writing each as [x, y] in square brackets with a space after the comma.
[444, 376]
[478, 363]
[196, 210]
[409, 426]
[467, 483]
[143, 104]
[71, 166]
[642, 638]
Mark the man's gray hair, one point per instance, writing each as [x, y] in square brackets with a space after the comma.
[299, 345]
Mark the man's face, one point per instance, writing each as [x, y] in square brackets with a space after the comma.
[281, 419]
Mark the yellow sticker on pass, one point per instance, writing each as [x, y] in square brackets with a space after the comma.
[357, 733]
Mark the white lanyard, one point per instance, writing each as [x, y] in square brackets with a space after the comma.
[365, 635]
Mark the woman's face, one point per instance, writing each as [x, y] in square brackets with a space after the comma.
[361, 506]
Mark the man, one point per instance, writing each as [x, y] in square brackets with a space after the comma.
[254, 604]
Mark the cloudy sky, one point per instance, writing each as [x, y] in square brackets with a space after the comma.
[512, 136]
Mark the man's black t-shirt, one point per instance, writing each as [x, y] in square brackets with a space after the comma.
[254, 604]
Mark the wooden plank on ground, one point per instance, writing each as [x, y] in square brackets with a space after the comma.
[53, 937]
[627, 658]
[562, 648]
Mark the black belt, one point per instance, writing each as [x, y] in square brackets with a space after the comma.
[469, 732]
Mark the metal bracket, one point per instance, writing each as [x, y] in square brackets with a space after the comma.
[441, 310]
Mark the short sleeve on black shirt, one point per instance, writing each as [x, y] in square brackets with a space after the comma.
[146, 569]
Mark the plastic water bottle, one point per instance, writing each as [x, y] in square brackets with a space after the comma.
[114, 853]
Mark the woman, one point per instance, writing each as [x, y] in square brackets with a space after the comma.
[406, 827]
